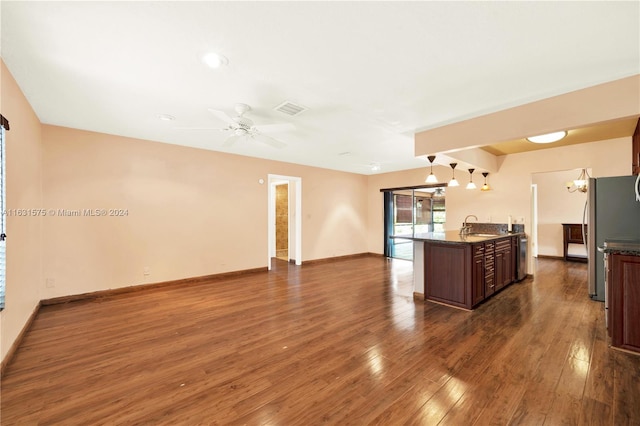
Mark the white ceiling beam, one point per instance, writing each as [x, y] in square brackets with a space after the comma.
[476, 158]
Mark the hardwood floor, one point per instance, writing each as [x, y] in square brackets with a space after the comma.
[338, 343]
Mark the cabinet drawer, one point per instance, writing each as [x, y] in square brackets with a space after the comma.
[503, 244]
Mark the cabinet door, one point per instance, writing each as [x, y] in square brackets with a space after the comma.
[477, 294]
[514, 258]
[624, 307]
[448, 274]
[508, 273]
[500, 268]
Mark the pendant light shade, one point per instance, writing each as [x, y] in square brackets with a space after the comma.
[431, 178]
[453, 181]
[471, 185]
[485, 186]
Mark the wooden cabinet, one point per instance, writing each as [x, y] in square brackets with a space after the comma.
[448, 273]
[623, 294]
[489, 268]
[464, 275]
[505, 268]
[635, 151]
[478, 275]
[572, 234]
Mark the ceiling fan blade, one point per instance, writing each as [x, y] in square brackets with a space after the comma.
[231, 140]
[223, 116]
[274, 128]
[270, 141]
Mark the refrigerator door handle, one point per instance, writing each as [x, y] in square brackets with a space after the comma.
[584, 227]
[638, 188]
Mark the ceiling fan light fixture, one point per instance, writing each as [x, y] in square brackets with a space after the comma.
[548, 138]
[214, 60]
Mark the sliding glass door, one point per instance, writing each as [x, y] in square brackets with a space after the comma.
[409, 212]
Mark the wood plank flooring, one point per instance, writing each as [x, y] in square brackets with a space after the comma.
[328, 343]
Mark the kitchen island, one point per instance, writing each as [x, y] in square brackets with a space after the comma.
[463, 270]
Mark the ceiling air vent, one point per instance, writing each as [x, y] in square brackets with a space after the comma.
[290, 108]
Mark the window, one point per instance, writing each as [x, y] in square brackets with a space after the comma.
[3, 217]
[404, 208]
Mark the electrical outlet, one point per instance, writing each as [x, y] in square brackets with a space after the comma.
[488, 219]
[520, 219]
[146, 270]
[50, 283]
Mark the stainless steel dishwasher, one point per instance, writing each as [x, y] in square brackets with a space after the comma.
[522, 257]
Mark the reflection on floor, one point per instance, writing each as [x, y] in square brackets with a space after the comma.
[403, 249]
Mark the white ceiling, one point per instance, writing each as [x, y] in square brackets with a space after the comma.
[371, 73]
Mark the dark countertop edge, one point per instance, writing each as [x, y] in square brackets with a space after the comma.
[623, 247]
[455, 238]
[624, 252]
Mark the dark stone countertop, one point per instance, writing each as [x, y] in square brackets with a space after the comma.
[623, 247]
[454, 237]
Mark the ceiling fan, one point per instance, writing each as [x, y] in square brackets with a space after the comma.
[242, 127]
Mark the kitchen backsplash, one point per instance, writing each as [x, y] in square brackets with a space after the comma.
[494, 228]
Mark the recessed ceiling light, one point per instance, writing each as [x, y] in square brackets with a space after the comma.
[165, 117]
[345, 154]
[548, 138]
[214, 60]
[375, 167]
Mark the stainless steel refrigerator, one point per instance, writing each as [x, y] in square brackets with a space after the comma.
[613, 206]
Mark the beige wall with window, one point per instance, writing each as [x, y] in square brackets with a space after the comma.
[24, 191]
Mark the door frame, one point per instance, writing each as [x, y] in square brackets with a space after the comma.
[295, 231]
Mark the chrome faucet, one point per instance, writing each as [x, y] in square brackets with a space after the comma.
[465, 226]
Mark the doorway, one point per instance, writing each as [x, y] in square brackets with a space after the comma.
[285, 219]
[408, 212]
[553, 205]
[282, 221]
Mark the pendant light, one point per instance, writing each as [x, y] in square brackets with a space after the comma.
[453, 181]
[579, 184]
[471, 185]
[431, 178]
[485, 187]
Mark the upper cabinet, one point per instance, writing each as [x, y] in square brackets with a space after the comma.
[635, 168]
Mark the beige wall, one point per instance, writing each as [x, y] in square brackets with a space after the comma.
[555, 207]
[24, 165]
[511, 186]
[189, 212]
